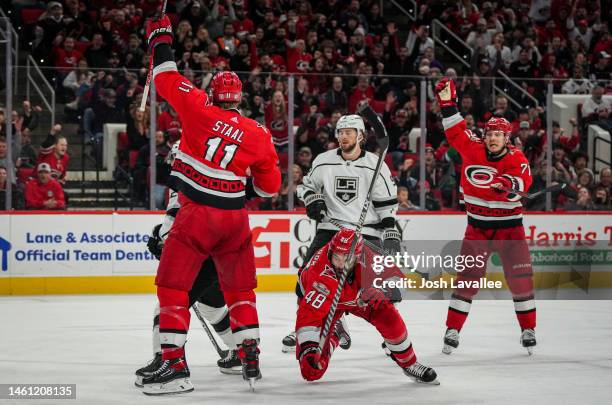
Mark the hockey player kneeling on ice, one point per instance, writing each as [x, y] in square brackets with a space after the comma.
[334, 193]
[205, 294]
[495, 216]
[319, 282]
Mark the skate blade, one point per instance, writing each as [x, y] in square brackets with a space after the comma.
[180, 386]
[138, 381]
[434, 382]
[288, 349]
[447, 349]
[231, 371]
[529, 350]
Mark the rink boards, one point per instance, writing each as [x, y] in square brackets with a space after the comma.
[105, 252]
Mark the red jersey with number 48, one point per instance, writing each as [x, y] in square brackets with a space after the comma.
[487, 208]
[217, 147]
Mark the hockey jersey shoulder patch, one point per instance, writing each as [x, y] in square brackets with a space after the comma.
[329, 272]
[320, 287]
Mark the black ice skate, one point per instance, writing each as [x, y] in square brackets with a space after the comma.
[422, 374]
[148, 369]
[528, 340]
[451, 341]
[343, 334]
[230, 364]
[289, 343]
[171, 378]
[249, 354]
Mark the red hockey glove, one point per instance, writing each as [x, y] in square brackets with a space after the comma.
[312, 365]
[501, 182]
[159, 31]
[446, 94]
[372, 297]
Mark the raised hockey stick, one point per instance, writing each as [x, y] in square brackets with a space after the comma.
[551, 189]
[383, 143]
[222, 353]
[145, 92]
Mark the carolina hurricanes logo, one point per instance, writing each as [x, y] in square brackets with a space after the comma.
[277, 125]
[302, 65]
[480, 176]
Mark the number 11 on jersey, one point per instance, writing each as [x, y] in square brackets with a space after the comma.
[228, 151]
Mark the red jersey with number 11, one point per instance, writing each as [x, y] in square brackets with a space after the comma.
[217, 146]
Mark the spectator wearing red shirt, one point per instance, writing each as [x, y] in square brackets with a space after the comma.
[276, 119]
[169, 123]
[44, 192]
[66, 57]
[364, 92]
[243, 25]
[53, 152]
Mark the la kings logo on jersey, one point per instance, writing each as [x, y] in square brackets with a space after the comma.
[347, 189]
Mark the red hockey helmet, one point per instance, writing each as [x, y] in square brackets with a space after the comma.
[342, 241]
[498, 124]
[226, 86]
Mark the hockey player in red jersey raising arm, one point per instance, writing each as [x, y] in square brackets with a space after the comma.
[218, 146]
[318, 282]
[495, 219]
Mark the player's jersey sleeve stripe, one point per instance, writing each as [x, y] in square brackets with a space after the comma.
[387, 203]
[168, 66]
[172, 212]
[451, 121]
[260, 192]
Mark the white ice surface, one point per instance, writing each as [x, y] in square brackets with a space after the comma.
[97, 342]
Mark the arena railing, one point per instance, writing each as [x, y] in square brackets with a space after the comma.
[14, 46]
[39, 82]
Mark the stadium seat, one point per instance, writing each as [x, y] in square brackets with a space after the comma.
[29, 16]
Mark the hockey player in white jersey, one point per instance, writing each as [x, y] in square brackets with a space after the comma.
[205, 295]
[334, 193]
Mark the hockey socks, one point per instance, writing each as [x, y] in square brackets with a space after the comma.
[243, 316]
[220, 320]
[173, 322]
[458, 310]
[525, 312]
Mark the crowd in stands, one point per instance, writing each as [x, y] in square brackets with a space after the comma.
[341, 53]
[40, 172]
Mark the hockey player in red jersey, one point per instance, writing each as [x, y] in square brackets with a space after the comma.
[495, 219]
[218, 147]
[318, 282]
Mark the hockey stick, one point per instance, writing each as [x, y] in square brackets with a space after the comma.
[551, 189]
[383, 143]
[222, 353]
[145, 92]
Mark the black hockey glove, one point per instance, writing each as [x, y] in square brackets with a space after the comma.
[391, 241]
[315, 205]
[155, 243]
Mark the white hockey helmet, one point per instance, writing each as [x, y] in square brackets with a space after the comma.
[351, 121]
[173, 151]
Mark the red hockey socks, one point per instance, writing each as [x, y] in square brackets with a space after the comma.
[458, 310]
[173, 321]
[525, 312]
[392, 328]
[243, 315]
